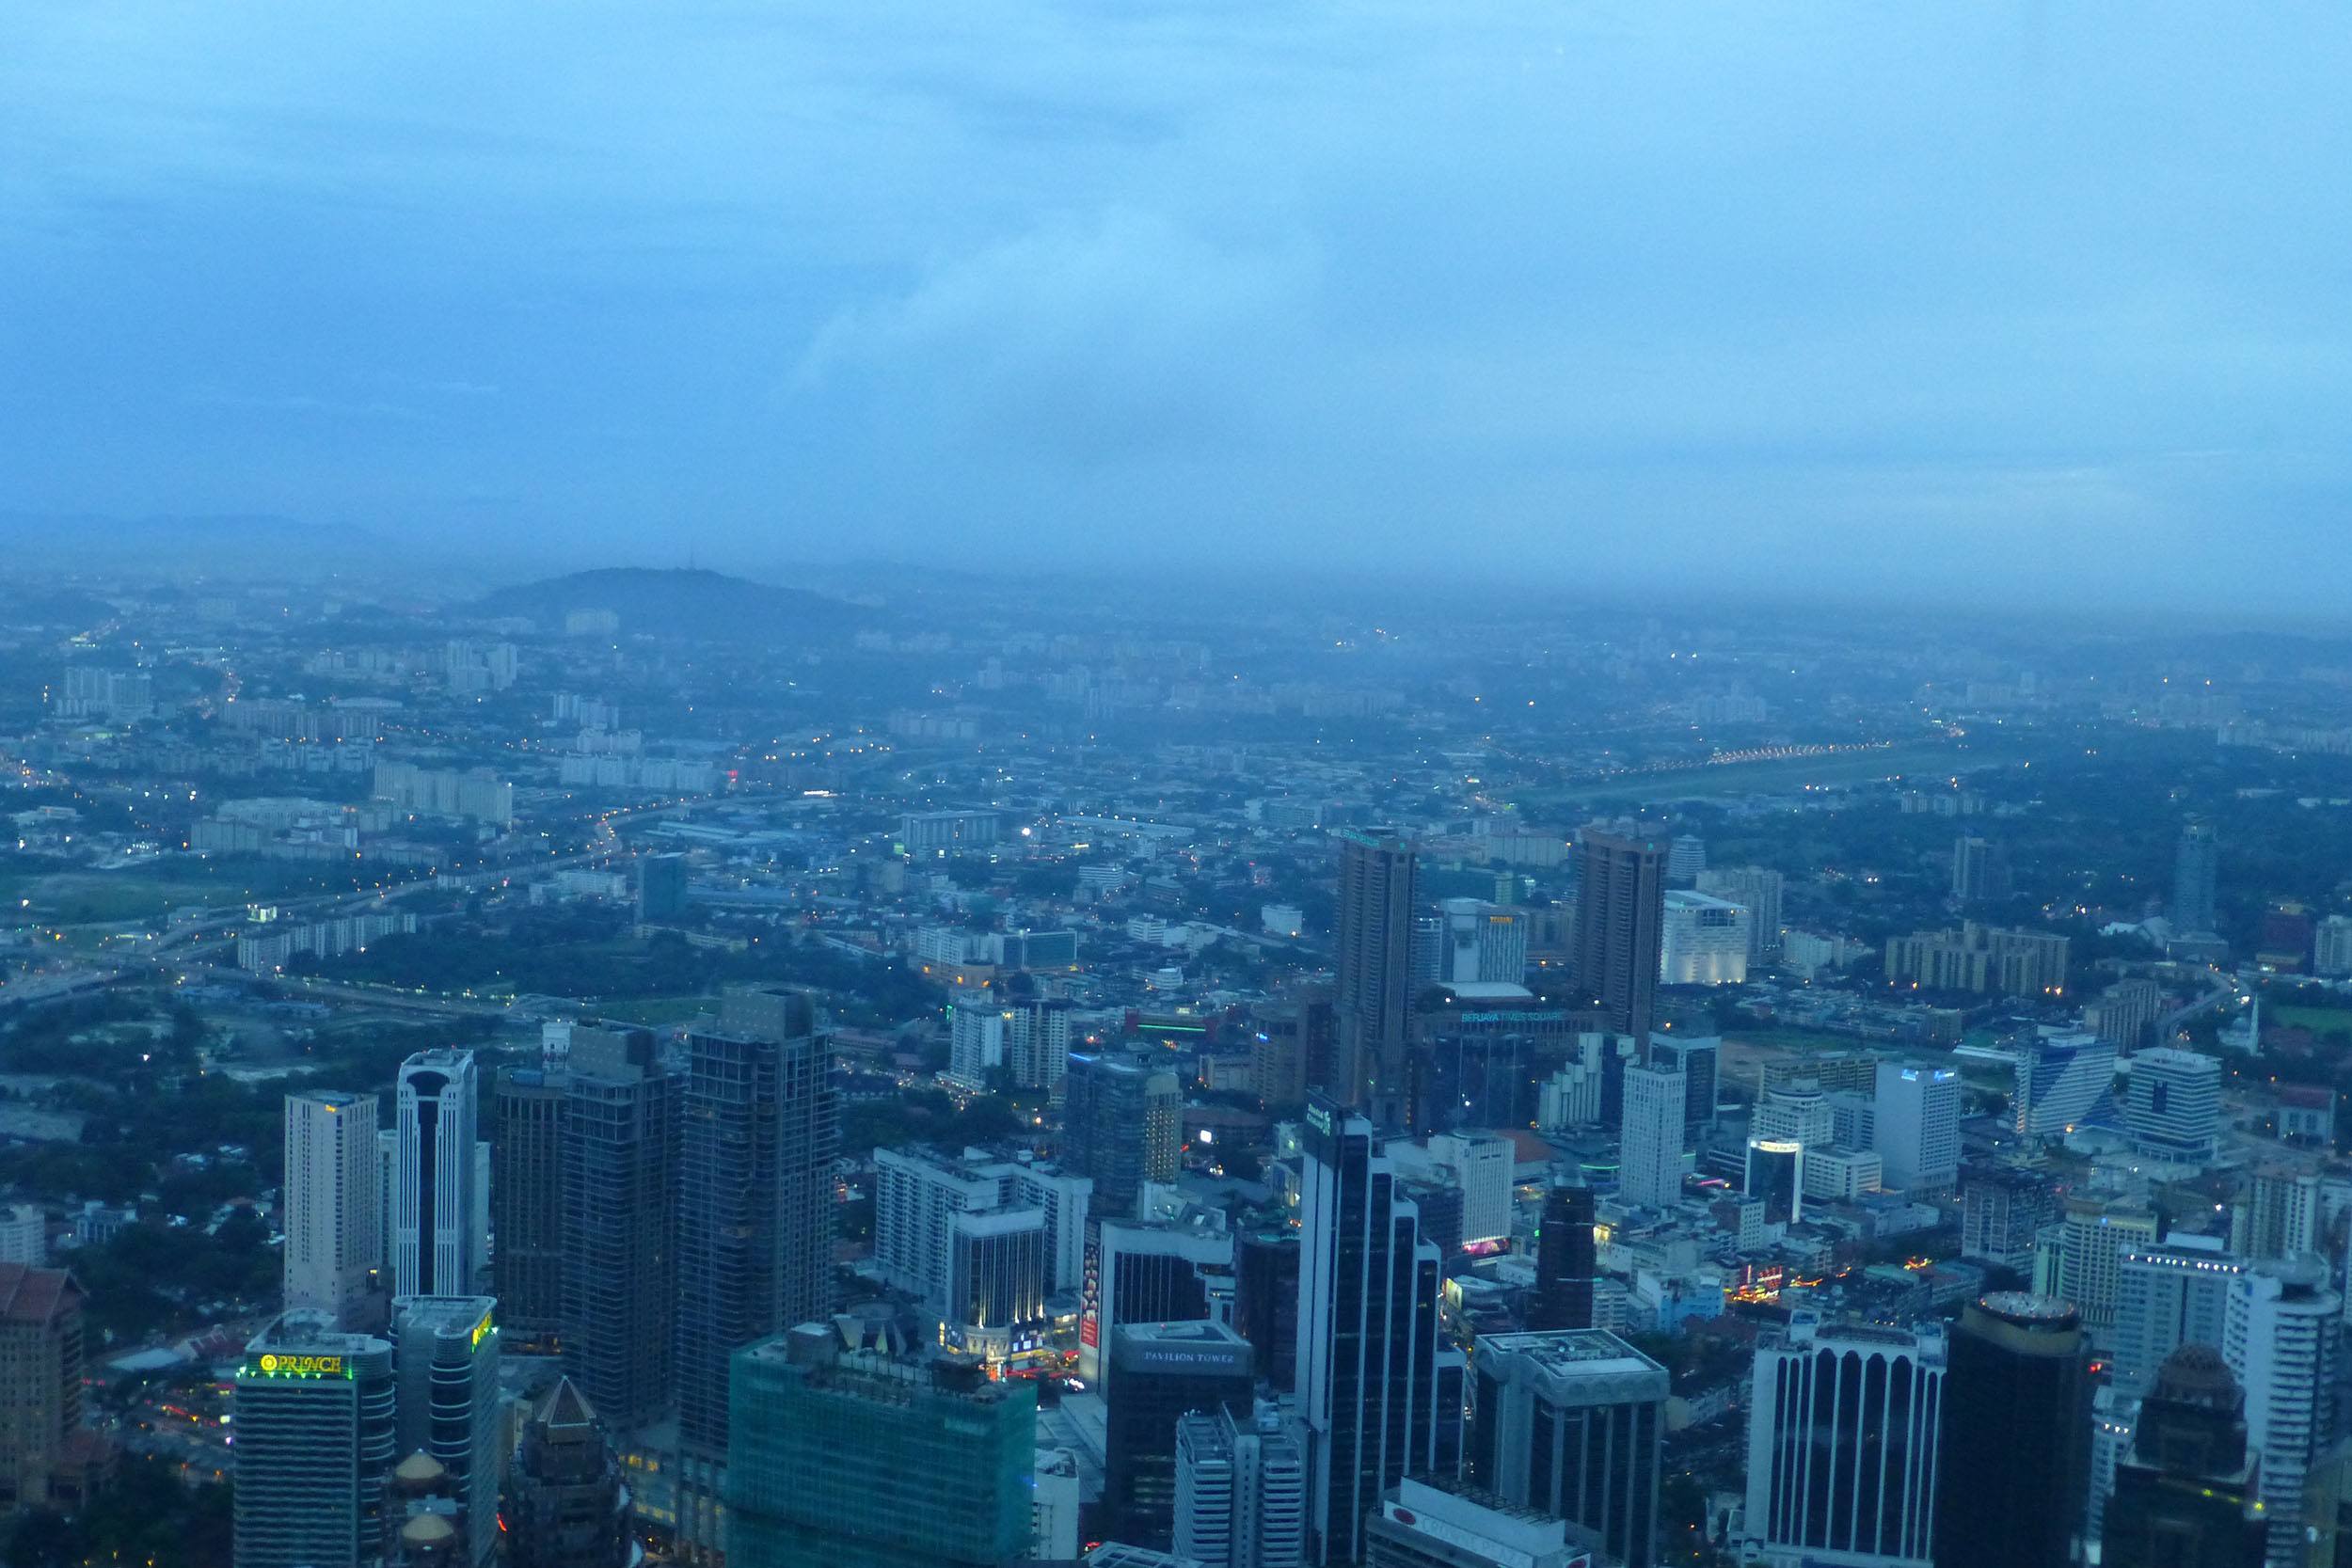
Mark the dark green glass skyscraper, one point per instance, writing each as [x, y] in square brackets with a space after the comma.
[837, 1460]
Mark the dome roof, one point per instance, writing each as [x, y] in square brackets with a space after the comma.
[2197, 1373]
[420, 1468]
[427, 1529]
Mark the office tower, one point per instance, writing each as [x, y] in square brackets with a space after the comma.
[527, 1203]
[1761, 893]
[1842, 1429]
[1650, 1162]
[2167, 1295]
[2279, 1335]
[1149, 1272]
[1371, 953]
[1566, 1259]
[1291, 1042]
[618, 1277]
[2014, 1416]
[1266, 1302]
[2332, 947]
[1038, 1035]
[1121, 1124]
[2059, 1079]
[2284, 1212]
[44, 1448]
[2173, 1111]
[838, 1459]
[565, 1506]
[2126, 1014]
[1436, 1522]
[1775, 1177]
[1570, 1424]
[759, 1118]
[437, 1242]
[1379, 1392]
[317, 1433]
[1796, 1111]
[660, 889]
[1478, 942]
[2095, 1235]
[1696, 1057]
[1166, 1371]
[334, 1252]
[1980, 870]
[2185, 1493]
[1685, 859]
[1915, 1127]
[1620, 904]
[445, 1357]
[1702, 941]
[1241, 1489]
[2001, 1209]
[2196, 864]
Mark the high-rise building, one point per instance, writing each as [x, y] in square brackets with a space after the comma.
[1570, 1424]
[1166, 1372]
[1241, 1489]
[332, 1209]
[1436, 1522]
[1379, 1390]
[1702, 941]
[317, 1433]
[1759, 890]
[1685, 859]
[445, 1359]
[1620, 905]
[2095, 1235]
[2015, 1413]
[1121, 1124]
[1290, 1046]
[1985, 960]
[1696, 1057]
[2173, 1111]
[1479, 943]
[1567, 1260]
[1373, 962]
[1915, 1127]
[2279, 1335]
[45, 1451]
[619, 1279]
[2332, 947]
[848, 1460]
[1265, 1302]
[2060, 1077]
[2167, 1294]
[439, 1206]
[1842, 1429]
[1149, 1272]
[660, 889]
[2002, 1208]
[2283, 1214]
[2196, 868]
[1775, 1177]
[2185, 1494]
[760, 1117]
[1650, 1163]
[1980, 870]
[527, 1203]
[565, 1506]
[1039, 1032]
[2126, 1014]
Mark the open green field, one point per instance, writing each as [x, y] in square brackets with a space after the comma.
[1924, 758]
[2319, 1020]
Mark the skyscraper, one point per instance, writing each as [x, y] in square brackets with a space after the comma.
[45, 1449]
[445, 1359]
[618, 1239]
[2185, 1493]
[564, 1505]
[437, 1201]
[2279, 1335]
[1651, 1159]
[2095, 1235]
[845, 1460]
[1166, 1372]
[660, 889]
[1570, 1424]
[756, 1227]
[1379, 1392]
[1120, 1115]
[1915, 1127]
[2167, 1295]
[1842, 1442]
[1372, 958]
[1980, 870]
[1775, 1176]
[1696, 1057]
[1241, 1489]
[2017, 1415]
[332, 1209]
[1620, 904]
[2173, 1109]
[527, 1203]
[1759, 890]
[316, 1438]
[2196, 868]
[1566, 1259]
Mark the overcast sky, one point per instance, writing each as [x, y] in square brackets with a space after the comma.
[2035, 299]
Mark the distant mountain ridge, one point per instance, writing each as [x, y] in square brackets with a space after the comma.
[679, 602]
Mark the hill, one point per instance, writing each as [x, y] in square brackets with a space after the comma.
[709, 606]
